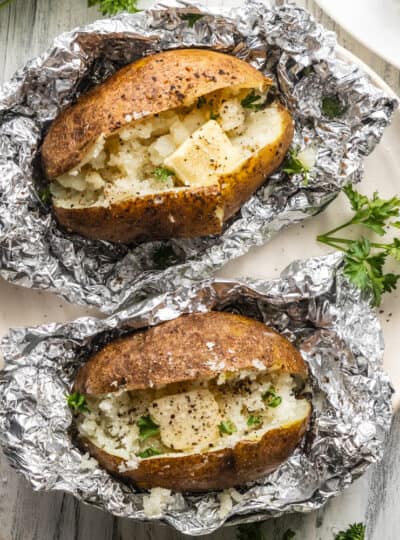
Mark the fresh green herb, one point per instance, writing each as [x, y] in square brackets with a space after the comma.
[250, 531]
[307, 71]
[364, 260]
[214, 116]
[191, 18]
[354, 532]
[147, 428]
[149, 452]
[227, 427]
[45, 194]
[250, 101]
[288, 535]
[77, 402]
[201, 101]
[111, 7]
[162, 173]
[254, 420]
[332, 107]
[293, 165]
[271, 398]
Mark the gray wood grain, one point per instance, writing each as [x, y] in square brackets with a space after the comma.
[27, 28]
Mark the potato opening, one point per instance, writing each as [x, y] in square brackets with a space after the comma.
[191, 417]
[178, 149]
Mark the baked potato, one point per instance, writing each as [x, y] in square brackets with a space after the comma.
[169, 146]
[206, 401]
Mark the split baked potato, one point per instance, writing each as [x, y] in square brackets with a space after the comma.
[205, 401]
[169, 146]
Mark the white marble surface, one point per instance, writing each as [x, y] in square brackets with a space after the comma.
[26, 28]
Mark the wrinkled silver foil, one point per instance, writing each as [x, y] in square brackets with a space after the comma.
[337, 333]
[284, 42]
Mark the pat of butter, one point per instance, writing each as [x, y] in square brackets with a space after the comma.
[204, 156]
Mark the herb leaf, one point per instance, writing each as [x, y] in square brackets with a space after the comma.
[354, 532]
[271, 398]
[149, 452]
[111, 7]
[162, 173]
[332, 107]
[293, 165]
[201, 101]
[227, 427]
[250, 101]
[393, 249]
[254, 420]
[147, 428]
[191, 18]
[77, 402]
[214, 116]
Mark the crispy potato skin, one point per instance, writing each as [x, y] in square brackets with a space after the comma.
[220, 469]
[171, 214]
[149, 86]
[177, 351]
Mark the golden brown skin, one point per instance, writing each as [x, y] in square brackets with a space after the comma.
[220, 469]
[149, 86]
[177, 351]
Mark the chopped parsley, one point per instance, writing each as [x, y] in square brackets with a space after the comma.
[332, 107]
[293, 165]
[162, 173]
[77, 402]
[354, 532]
[149, 452]
[271, 398]
[147, 428]
[214, 116]
[227, 427]
[250, 101]
[45, 194]
[201, 101]
[191, 18]
[254, 420]
[111, 7]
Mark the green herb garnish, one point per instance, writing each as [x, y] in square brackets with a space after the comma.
[77, 402]
[201, 101]
[271, 398]
[162, 173]
[191, 18]
[254, 420]
[354, 532]
[111, 7]
[364, 260]
[250, 102]
[227, 427]
[214, 116]
[149, 452]
[293, 165]
[332, 107]
[147, 428]
[45, 193]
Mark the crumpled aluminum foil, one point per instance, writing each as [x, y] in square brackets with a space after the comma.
[312, 304]
[283, 42]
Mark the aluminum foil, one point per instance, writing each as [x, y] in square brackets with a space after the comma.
[283, 42]
[312, 304]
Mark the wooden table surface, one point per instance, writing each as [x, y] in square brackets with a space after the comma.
[27, 27]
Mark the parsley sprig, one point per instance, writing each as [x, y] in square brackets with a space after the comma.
[354, 532]
[271, 398]
[227, 427]
[191, 18]
[149, 452]
[111, 7]
[147, 428]
[163, 174]
[250, 101]
[77, 402]
[332, 107]
[293, 164]
[364, 260]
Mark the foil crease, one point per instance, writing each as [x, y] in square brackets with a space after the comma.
[312, 304]
[284, 42]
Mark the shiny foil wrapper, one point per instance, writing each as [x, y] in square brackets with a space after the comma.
[312, 304]
[283, 42]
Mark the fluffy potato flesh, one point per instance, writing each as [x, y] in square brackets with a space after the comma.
[179, 149]
[197, 417]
